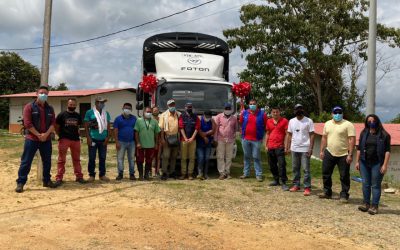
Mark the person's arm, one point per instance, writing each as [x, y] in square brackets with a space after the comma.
[288, 140]
[157, 135]
[51, 128]
[324, 141]
[108, 134]
[310, 149]
[57, 124]
[180, 124]
[197, 128]
[384, 167]
[352, 142]
[137, 138]
[117, 145]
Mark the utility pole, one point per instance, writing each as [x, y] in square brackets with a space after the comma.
[371, 71]
[44, 74]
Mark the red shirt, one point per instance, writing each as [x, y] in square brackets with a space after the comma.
[277, 132]
[182, 126]
[251, 128]
[27, 114]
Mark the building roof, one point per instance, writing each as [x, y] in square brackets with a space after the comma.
[392, 129]
[77, 93]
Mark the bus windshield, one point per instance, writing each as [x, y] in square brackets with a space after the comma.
[203, 96]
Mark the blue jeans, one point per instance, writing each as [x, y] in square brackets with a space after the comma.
[102, 149]
[203, 156]
[372, 179]
[301, 159]
[129, 148]
[30, 148]
[251, 149]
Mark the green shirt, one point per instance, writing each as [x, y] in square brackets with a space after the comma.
[147, 130]
[93, 126]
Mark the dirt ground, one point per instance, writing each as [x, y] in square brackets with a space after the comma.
[213, 214]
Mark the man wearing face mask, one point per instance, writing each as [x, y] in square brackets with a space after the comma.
[67, 128]
[98, 131]
[124, 135]
[253, 122]
[300, 142]
[225, 134]
[337, 147]
[146, 133]
[39, 120]
[169, 124]
[189, 125]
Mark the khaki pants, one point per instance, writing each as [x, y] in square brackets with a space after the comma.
[224, 157]
[169, 155]
[188, 151]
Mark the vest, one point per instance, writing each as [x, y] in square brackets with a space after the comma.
[380, 144]
[204, 127]
[36, 115]
[189, 123]
[259, 123]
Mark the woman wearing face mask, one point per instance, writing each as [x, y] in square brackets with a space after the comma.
[203, 144]
[372, 161]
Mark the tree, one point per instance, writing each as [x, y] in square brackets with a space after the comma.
[297, 50]
[61, 86]
[16, 76]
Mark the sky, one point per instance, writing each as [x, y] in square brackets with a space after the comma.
[115, 61]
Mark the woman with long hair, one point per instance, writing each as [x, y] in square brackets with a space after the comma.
[372, 161]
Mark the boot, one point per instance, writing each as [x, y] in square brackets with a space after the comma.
[140, 169]
[147, 172]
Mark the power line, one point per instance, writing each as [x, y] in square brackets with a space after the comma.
[116, 32]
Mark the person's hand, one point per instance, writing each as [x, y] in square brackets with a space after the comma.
[89, 141]
[105, 142]
[309, 153]
[321, 155]
[266, 148]
[163, 141]
[139, 146]
[205, 140]
[287, 151]
[117, 145]
[357, 166]
[349, 159]
[384, 169]
[42, 137]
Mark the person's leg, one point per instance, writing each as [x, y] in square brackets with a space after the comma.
[192, 157]
[207, 155]
[184, 156]
[366, 182]
[228, 157]
[75, 147]
[166, 152]
[102, 158]
[280, 154]
[139, 161]
[121, 157]
[247, 150]
[305, 162]
[131, 158]
[376, 181]
[45, 149]
[92, 151]
[63, 145]
[200, 154]
[149, 155]
[172, 163]
[296, 164]
[256, 154]
[328, 164]
[30, 148]
[221, 157]
[344, 171]
[273, 164]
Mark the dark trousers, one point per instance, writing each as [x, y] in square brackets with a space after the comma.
[30, 149]
[328, 165]
[277, 164]
[97, 146]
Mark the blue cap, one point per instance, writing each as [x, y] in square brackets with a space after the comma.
[227, 105]
[336, 108]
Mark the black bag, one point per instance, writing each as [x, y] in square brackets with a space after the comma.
[172, 140]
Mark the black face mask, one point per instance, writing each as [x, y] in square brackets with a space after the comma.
[190, 111]
[71, 109]
[299, 112]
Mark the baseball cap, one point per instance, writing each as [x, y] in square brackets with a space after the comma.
[188, 104]
[170, 101]
[337, 108]
[298, 105]
[207, 113]
[227, 105]
[100, 99]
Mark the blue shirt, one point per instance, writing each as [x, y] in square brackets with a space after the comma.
[125, 128]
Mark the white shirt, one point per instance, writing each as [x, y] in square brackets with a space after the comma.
[300, 130]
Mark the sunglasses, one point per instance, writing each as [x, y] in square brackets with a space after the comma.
[338, 112]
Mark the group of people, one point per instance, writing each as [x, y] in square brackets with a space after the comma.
[156, 139]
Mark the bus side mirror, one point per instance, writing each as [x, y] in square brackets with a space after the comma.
[139, 106]
[139, 94]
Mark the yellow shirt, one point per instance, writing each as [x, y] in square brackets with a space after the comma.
[168, 122]
[338, 134]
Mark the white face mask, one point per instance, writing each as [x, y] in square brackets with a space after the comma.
[148, 115]
[126, 112]
[227, 112]
[207, 119]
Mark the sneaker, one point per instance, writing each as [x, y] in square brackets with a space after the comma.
[164, 177]
[364, 208]
[274, 183]
[104, 178]
[244, 177]
[200, 177]
[58, 183]
[20, 188]
[222, 177]
[49, 184]
[285, 187]
[294, 189]
[373, 210]
[81, 180]
[259, 178]
[228, 176]
[91, 179]
[344, 200]
[307, 191]
[206, 177]
[119, 177]
[325, 196]
[132, 177]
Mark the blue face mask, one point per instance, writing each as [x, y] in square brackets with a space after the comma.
[337, 117]
[372, 124]
[171, 109]
[253, 107]
[42, 97]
